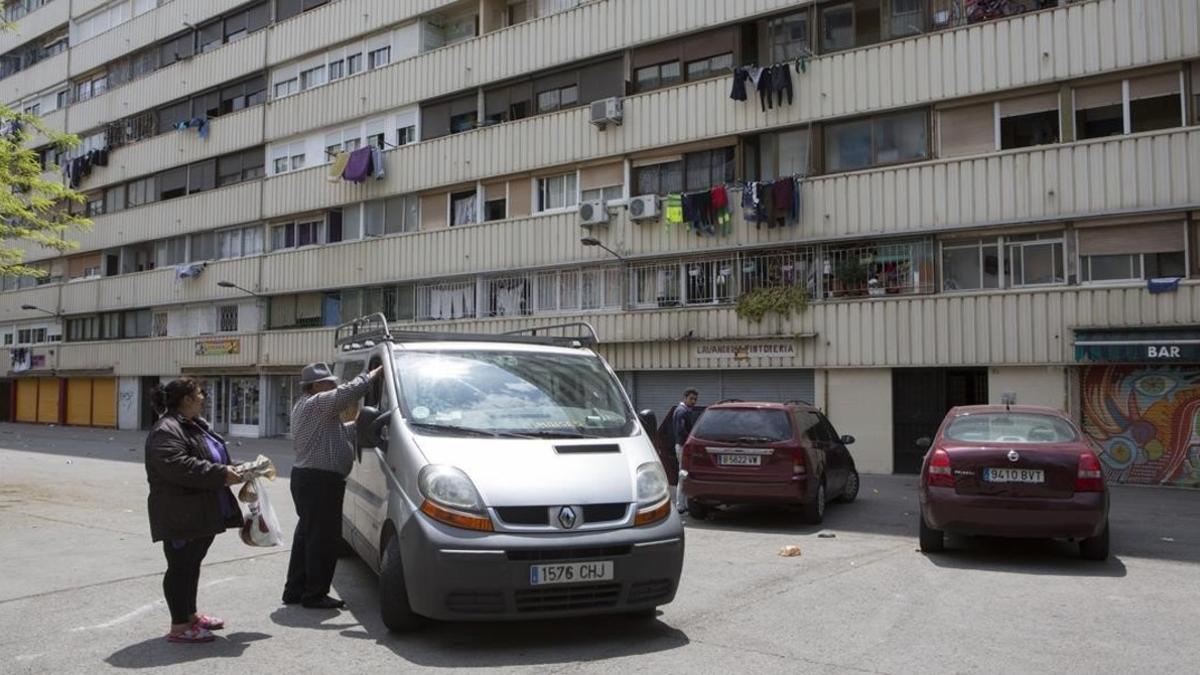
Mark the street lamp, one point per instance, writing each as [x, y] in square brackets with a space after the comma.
[592, 241]
[35, 308]
[230, 284]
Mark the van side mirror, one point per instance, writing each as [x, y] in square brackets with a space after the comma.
[924, 442]
[649, 422]
[847, 440]
[371, 428]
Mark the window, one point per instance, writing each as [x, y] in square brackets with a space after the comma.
[1155, 103]
[877, 141]
[137, 324]
[788, 37]
[114, 199]
[313, 77]
[708, 168]
[556, 99]
[243, 95]
[610, 193]
[202, 176]
[35, 109]
[462, 208]
[286, 88]
[379, 57]
[406, 135]
[402, 214]
[210, 37]
[171, 251]
[659, 178]
[661, 75]
[1034, 260]
[857, 24]
[289, 157]
[463, 121]
[144, 191]
[518, 12]
[172, 183]
[243, 401]
[227, 319]
[337, 70]
[710, 67]
[1028, 121]
[495, 209]
[970, 266]
[1129, 252]
[354, 64]
[95, 204]
[203, 247]
[557, 192]
[158, 327]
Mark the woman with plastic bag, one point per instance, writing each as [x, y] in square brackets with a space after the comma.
[189, 471]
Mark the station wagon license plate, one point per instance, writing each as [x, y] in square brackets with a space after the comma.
[570, 573]
[1008, 475]
[739, 460]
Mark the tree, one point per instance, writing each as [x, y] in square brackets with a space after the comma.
[33, 209]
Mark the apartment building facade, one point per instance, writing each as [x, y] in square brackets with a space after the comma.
[978, 204]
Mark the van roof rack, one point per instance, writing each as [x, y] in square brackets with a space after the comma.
[373, 329]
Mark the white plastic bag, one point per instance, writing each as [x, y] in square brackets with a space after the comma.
[261, 526]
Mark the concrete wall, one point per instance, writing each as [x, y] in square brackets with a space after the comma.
[859, 403]
[1033, 386]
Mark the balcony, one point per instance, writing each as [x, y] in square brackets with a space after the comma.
[171, 148]
[45, 297]
[173, 82]
[34, 78]
[334, 24]
[158, 287]
[142, 31]
[30, 19]
[154, 356]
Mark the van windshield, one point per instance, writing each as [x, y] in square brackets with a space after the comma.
[511, 394]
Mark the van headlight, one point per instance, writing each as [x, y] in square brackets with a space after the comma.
[653, 494]
[451, 498]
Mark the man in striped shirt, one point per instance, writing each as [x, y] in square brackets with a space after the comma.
[324, 456]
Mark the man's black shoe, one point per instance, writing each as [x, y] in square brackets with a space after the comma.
[289, 600]
[324, 603]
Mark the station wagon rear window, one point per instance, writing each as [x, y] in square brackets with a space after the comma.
[1003, 427]
[743, 424]
[511, 393]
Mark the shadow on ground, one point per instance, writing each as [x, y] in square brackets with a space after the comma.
[157, 652]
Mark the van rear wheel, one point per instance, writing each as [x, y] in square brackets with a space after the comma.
[394, 607]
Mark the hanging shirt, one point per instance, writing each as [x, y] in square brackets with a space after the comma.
[674, 209]
[377, 163]
[358, 167]
[338, 166]
[738, 92]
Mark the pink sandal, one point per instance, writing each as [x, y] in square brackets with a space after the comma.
[193, 635]
[209, 622]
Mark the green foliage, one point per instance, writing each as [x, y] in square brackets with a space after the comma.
[781, 300]
[851, 272]
[33, 209]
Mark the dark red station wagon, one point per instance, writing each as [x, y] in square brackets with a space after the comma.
[1013, 471]
[767, 453]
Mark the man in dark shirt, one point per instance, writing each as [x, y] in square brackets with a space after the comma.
[681, 425]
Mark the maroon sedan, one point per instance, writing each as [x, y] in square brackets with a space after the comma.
[767, 453]
[1013, 471]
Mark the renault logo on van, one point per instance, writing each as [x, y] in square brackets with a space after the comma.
[567, 517]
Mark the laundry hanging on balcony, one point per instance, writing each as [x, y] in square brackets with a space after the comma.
[188, 271]
[200, 124]
[75, 169]
[705, 212]
[772, 203]
[771, 83]
[21, 360]
[338, 166]
[360, 165]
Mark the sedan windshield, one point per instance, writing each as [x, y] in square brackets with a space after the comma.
[511, 394]
[1011, 428]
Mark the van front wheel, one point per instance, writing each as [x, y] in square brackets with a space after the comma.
[394, 607]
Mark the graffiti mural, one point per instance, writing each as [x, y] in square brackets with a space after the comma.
[1146, 421]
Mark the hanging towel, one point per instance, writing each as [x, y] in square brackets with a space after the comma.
[377, 163]
[358, 167]
[781, 201]
[721, 211]
[674, 209]
[796, 201]
[338, 166]
[189, 271]
[1162, 285]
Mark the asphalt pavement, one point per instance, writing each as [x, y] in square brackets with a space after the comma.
[80, 590]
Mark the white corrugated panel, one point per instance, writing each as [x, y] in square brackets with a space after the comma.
[36, 23]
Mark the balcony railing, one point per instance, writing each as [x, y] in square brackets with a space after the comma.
[15, 11]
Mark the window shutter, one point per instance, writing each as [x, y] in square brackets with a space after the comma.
[967, 131]
[1026, 105]
[1139, 238]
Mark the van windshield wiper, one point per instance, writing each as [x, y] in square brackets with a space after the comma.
[470, 431]
[547, 433]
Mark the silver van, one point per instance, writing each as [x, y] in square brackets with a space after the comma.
[504, 477]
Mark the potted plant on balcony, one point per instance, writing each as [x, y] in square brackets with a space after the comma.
[781, 300]
[851, 277]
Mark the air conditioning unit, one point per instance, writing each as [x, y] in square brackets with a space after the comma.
[607, 111]
[644, 207]
[593, 213]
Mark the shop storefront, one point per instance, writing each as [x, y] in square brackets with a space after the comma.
[91, 402]
[282, 393]
[233, 403]
[1140, 402]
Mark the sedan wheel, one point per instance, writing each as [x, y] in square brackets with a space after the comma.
[1095, 548]
[814, 511]
[850, 492]
[932, 541]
